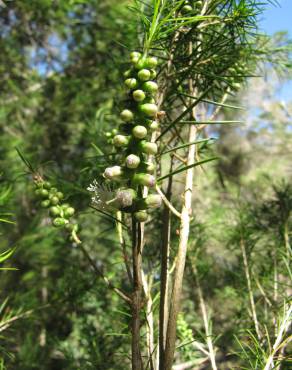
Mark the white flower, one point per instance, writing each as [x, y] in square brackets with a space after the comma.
[102, 196]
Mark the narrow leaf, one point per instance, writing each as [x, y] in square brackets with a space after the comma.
[185, 145]
[186, 168]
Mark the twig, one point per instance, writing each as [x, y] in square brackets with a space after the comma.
[286, 322]
[249, 288]
[167, 202]
[99, 273]
[123, 245]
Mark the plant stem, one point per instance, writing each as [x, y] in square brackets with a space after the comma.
[164, 271]
[203, 307]
[137, 238]
[181, 256]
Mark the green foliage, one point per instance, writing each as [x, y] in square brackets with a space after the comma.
[61, 72]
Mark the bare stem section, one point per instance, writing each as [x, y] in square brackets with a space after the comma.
[137, 294]
[181, 256]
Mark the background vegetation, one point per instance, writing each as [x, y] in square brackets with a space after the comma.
[61, 67]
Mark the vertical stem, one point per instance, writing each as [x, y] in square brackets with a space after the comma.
[43, 335]
[165, 246]
[249, 288]
[181, 256]
[150, 320]
[137, 294]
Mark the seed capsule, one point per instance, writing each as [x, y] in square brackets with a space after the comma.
[132, 161]
[151, 62]
[148, 148]
[113, 172]
[59, 222]
[127, 115]
[139, 95]
[153, 201]
[150, 86]
[121, 140]
[141, 216]
[69, 212]
[144, 179]
[131, 83]
[45, 203]
[144, 75]
[149, 109]
[139, 132]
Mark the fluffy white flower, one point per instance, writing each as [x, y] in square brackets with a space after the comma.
[102, 195]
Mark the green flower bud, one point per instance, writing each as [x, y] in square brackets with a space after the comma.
[148, 148]
[108, 134]
[114, 131]
[125, 197]
[132, 161]
[127, 73]
[44, 193]
[150, 86]
[149, 109]
[131, 83]
[53, 190]
[65, 205]
[113, 172]
[144, 179]
[153, 74]
[45, 203]
[38, 193]
[135, 54]
[60, 195]
[153, 201]
[55, 200]
[151, 62]
[154, 126]
[144, 75]
[55, 211]
[139, 132]
[47, 185]
[150, 167]
[69, 212]
[186, 9]
[139, 95]
[140, 63]
[141, 216]
[127, 115]
[121, 140]
[59, 222]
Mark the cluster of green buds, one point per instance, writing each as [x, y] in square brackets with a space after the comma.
[237, 75]
[60, 212]
[132, 140]
[196, 6]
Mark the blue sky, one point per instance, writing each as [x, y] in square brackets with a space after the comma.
[279, 18]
